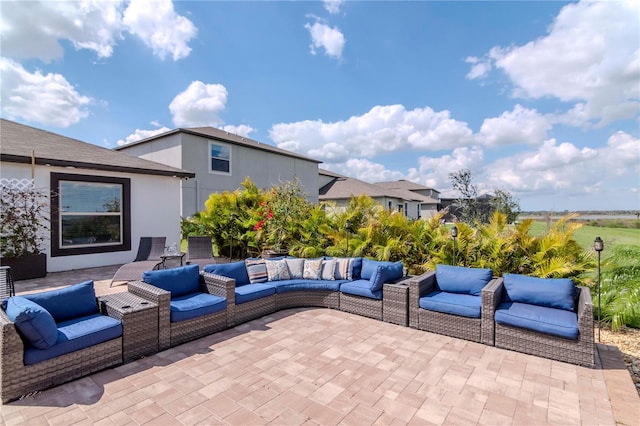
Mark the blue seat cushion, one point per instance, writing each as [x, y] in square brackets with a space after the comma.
[385, 274]
[34, 323]
[464, 305]
[247, 293]
[178, 281]
[459, 279]
[303, 284]
[550, 292]
[195, 305]
[361, 288]
[75, 301]
[76, 334]
[235, 270]
[556, 322]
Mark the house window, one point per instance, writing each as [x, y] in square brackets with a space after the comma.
[220, 158]
[89, 214]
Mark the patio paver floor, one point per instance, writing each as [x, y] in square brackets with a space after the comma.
[321, 366]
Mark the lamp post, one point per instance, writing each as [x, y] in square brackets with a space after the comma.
[347, 227]
[454, 235]
[232, 224]
[598, 246]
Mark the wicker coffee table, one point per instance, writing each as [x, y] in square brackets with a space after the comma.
[139, 323]
[395, 303]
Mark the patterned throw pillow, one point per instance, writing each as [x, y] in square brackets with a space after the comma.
[257, 270]
[343, 268]
[296, 268]
[328, 269]
[312, 269]
[277, 270]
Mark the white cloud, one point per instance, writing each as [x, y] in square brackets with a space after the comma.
[381, 130]
[323, 36]
[160, 28]
[333, 6]
[199, 105]
[241, 130]
[479, 69]
[434, 171]
[564, 169]
[34, 29]
[47, 99]
[590, 55]
[142, 134]
[366, 170]
[522, 125]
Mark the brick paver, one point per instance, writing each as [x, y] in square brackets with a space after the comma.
[321, 366]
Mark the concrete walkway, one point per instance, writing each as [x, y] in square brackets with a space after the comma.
[321, 366]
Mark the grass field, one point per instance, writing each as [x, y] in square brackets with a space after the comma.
[585, 236]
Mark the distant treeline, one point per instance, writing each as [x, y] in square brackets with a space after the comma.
[582, 213]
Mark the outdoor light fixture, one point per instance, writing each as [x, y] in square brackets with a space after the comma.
[232, 223]
[347, 227]
[454, 234]
[598, 246]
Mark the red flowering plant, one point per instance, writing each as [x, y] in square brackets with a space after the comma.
[279, 216]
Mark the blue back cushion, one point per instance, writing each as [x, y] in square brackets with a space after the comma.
[550, 292]
[235, 270]
[178, 281]
[458, 279]
[356, 268]
[384, 274]
[33, 322]
[68, 303]
[369, 266]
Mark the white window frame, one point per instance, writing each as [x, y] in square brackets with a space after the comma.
[210, 157]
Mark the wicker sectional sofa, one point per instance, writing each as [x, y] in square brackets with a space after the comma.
[349, 284]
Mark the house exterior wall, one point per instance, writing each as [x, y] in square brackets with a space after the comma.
[155, 212]
[264, 168]
[428, 210]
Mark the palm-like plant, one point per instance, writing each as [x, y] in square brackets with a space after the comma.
[620, 288]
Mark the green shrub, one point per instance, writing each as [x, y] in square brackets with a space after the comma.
[620, 288]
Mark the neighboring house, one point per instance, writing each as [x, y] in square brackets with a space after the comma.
[221, 162]
[339, 190]
[102, 201]
[429, 197]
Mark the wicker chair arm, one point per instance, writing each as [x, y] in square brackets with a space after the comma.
[491, 296]
[11, 347]
[220, 286]
[149, 292]
[420, 285]
[585, 309]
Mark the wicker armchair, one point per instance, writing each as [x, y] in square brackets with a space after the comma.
[479, 330]
[200, 251]
[174, 333]
[18, 379]
[580, 351]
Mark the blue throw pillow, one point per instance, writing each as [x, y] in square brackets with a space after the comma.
[369, 266]
[550, 292]
[75, 301]
[33, 322]
[178, 281]
[458, 279]
[235, 270]
[384, 274]
[356, 264]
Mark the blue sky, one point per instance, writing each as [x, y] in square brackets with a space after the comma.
[541, 99]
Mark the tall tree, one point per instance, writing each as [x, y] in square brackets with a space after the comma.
[468, 203]
[506, 203]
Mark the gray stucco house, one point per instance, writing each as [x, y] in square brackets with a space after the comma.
[221, 162]
[412, 200]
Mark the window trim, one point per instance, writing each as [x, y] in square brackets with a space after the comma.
[56, 249]
[209, 157]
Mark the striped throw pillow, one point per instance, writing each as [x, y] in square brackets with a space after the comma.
[257, 270]
[344, 268]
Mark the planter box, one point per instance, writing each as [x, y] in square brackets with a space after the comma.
[27, 267]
